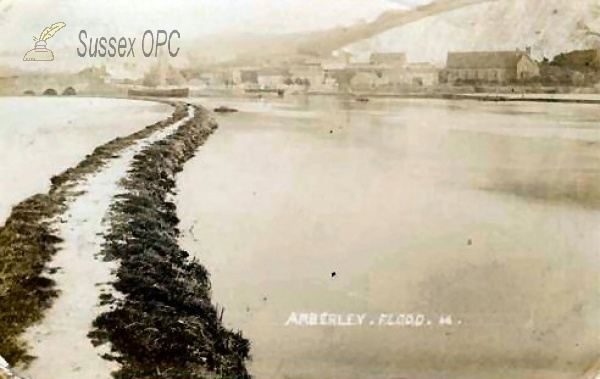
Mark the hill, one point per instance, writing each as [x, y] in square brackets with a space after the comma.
[549, 27]
[428, 32]
[248, 48]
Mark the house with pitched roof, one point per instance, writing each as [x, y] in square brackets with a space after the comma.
[491, 66]
[272, 77]
[311, 71]
[422, 74]
[390, 65]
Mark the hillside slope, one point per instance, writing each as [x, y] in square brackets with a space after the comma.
[548, 26]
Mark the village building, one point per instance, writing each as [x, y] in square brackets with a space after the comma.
[270, 77]
[394, 76]
[163, 74]
[235, 74]
[422, 74]
[389, 59]
[391, 67]
[333, 65]
[311, 72]
[342, 56]
[367, 76]
[336, 70]
[364, 80]
[212, 79]
[491, 66]
[248, 76]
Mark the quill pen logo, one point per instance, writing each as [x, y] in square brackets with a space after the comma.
[41, 52]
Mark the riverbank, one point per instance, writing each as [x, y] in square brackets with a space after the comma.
[59, 342]
[528, 97]
[542, 98]
[458, 94]
[29, 240]
[48, 300]
[573, 98]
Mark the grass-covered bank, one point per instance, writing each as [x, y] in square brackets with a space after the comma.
[164, 324]
[28, 241]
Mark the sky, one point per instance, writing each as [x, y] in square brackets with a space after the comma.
[21, 20]
[24, 19]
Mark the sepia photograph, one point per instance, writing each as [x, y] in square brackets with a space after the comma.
[300, 189]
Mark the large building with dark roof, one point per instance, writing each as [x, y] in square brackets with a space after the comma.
[491, 66]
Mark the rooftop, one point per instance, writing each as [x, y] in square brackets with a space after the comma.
[388, 57]
[484, 59]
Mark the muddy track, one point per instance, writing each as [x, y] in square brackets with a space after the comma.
[29, 241]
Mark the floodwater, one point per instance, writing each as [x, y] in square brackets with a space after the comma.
[484, 216]
[42, 136]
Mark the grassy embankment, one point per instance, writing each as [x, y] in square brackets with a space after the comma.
[167, 297]
[165, 325]
[28, 242]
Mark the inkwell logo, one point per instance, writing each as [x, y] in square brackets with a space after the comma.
[41, 52]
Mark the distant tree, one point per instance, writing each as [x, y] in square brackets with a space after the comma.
[344, 78]
[443, 77]
[579, 60]
[552, 75]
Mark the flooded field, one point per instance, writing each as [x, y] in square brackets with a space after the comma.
[481, 219]
[40, 137]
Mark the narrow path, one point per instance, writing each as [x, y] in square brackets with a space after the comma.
[60, 341]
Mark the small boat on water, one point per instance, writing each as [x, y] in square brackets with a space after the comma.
[362, 99]
[278, 92]
[225, 109]
[159, 92]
